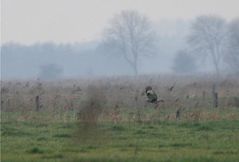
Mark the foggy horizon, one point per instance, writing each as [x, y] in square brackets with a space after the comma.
[69, 38]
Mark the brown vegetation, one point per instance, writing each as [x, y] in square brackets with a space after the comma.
[119, 98]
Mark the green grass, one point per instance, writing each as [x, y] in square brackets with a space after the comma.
[166, 141]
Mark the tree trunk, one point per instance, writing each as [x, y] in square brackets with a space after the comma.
[135, 70]
[136, 64]
[217, 72]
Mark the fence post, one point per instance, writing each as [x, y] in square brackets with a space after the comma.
[37, 102]
[215, 96]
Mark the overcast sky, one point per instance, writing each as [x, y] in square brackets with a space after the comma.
[61, 21]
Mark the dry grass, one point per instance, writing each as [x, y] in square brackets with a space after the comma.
[119, 99]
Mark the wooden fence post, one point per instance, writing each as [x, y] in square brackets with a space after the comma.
[214, 96]
[37, 102]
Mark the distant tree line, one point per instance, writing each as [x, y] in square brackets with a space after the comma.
[129, 39]
[50, 61]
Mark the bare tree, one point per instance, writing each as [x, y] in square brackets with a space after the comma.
[232, 57]
[208, 37]
[132, 35]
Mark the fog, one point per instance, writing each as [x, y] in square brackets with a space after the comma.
[82, 59]
[85, 59]
[67, 39]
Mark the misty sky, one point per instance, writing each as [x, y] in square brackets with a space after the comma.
[61, 21]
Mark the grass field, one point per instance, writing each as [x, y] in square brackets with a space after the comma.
[45, 138]
[109, 120]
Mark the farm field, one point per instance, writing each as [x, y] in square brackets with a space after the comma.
[52, 140]
[109, 120]
[119, 81]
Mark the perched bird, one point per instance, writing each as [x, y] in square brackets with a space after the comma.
[151, 95]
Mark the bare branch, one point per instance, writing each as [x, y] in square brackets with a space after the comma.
[132, 35]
